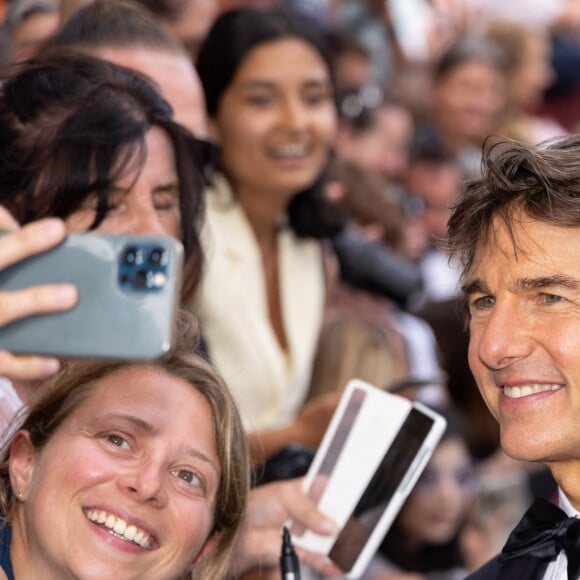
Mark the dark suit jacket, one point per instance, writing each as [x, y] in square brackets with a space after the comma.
[522, 569]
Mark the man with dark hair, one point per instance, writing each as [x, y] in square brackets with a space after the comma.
[515, 232]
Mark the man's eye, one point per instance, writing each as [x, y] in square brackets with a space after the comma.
[483, 303]
[551, 298]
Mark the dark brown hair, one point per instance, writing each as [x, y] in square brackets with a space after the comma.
[71, 125]
[541, 182]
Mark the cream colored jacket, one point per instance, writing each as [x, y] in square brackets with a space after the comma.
[268, 383]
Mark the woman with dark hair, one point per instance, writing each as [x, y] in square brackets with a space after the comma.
[468, 96]
[269, 91]
[70, 113]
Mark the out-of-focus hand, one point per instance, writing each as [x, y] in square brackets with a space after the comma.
[270, 507]
[313, 420]
[21, 243]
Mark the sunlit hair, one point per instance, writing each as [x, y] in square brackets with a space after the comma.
[58, 399]
[518, 180]
[72, 125]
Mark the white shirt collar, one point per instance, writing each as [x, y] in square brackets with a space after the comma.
[566, 506]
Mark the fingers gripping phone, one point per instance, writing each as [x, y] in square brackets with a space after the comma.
[129, 289]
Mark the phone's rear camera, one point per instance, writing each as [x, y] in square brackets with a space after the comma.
[141, 279]
[133, 255]
[157, 256]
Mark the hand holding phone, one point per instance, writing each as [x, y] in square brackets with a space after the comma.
[129, 288]
[16, 246]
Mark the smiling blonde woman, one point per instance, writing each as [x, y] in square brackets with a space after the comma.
[127, 471]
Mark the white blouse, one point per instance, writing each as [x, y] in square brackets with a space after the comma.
[268, 383]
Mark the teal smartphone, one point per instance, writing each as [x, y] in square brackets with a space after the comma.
[129, 291]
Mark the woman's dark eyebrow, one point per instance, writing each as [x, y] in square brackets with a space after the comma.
[270, 84]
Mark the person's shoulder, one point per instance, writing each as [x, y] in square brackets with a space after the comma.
[486, 572]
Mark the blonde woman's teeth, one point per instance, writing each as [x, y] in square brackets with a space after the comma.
[120, 527]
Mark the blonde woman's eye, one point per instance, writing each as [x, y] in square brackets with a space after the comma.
[187, 476]
[116, 440]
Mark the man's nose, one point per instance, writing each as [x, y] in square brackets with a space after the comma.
[505, 337]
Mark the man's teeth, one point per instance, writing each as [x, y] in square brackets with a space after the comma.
[290, 150]
[518, 392]
[120, 527]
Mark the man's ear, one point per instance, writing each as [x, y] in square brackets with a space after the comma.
[207, 548]
[22, 462]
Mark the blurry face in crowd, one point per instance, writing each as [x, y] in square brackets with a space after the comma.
[133, 496]
[437, 184]
[534, 73]
[438, 503]
[145, 201]
[193, 22]
[276, 120]
[353, 69]
[175, 76]
[384, 146]
[468, 101]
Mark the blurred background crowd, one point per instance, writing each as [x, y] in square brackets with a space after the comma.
[418, 89]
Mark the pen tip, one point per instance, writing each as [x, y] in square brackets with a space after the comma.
[286, 540]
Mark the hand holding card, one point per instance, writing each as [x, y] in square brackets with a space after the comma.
[371, 456]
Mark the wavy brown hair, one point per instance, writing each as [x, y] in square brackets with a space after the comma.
[541, 182]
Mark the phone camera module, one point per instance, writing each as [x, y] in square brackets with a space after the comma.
[143, 267]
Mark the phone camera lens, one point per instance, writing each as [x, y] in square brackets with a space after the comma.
[132, 255]
[157, 256]
[141, 279]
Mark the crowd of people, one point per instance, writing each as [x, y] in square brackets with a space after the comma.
[309, 157]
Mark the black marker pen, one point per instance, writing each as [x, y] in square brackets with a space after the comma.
[289, 563]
